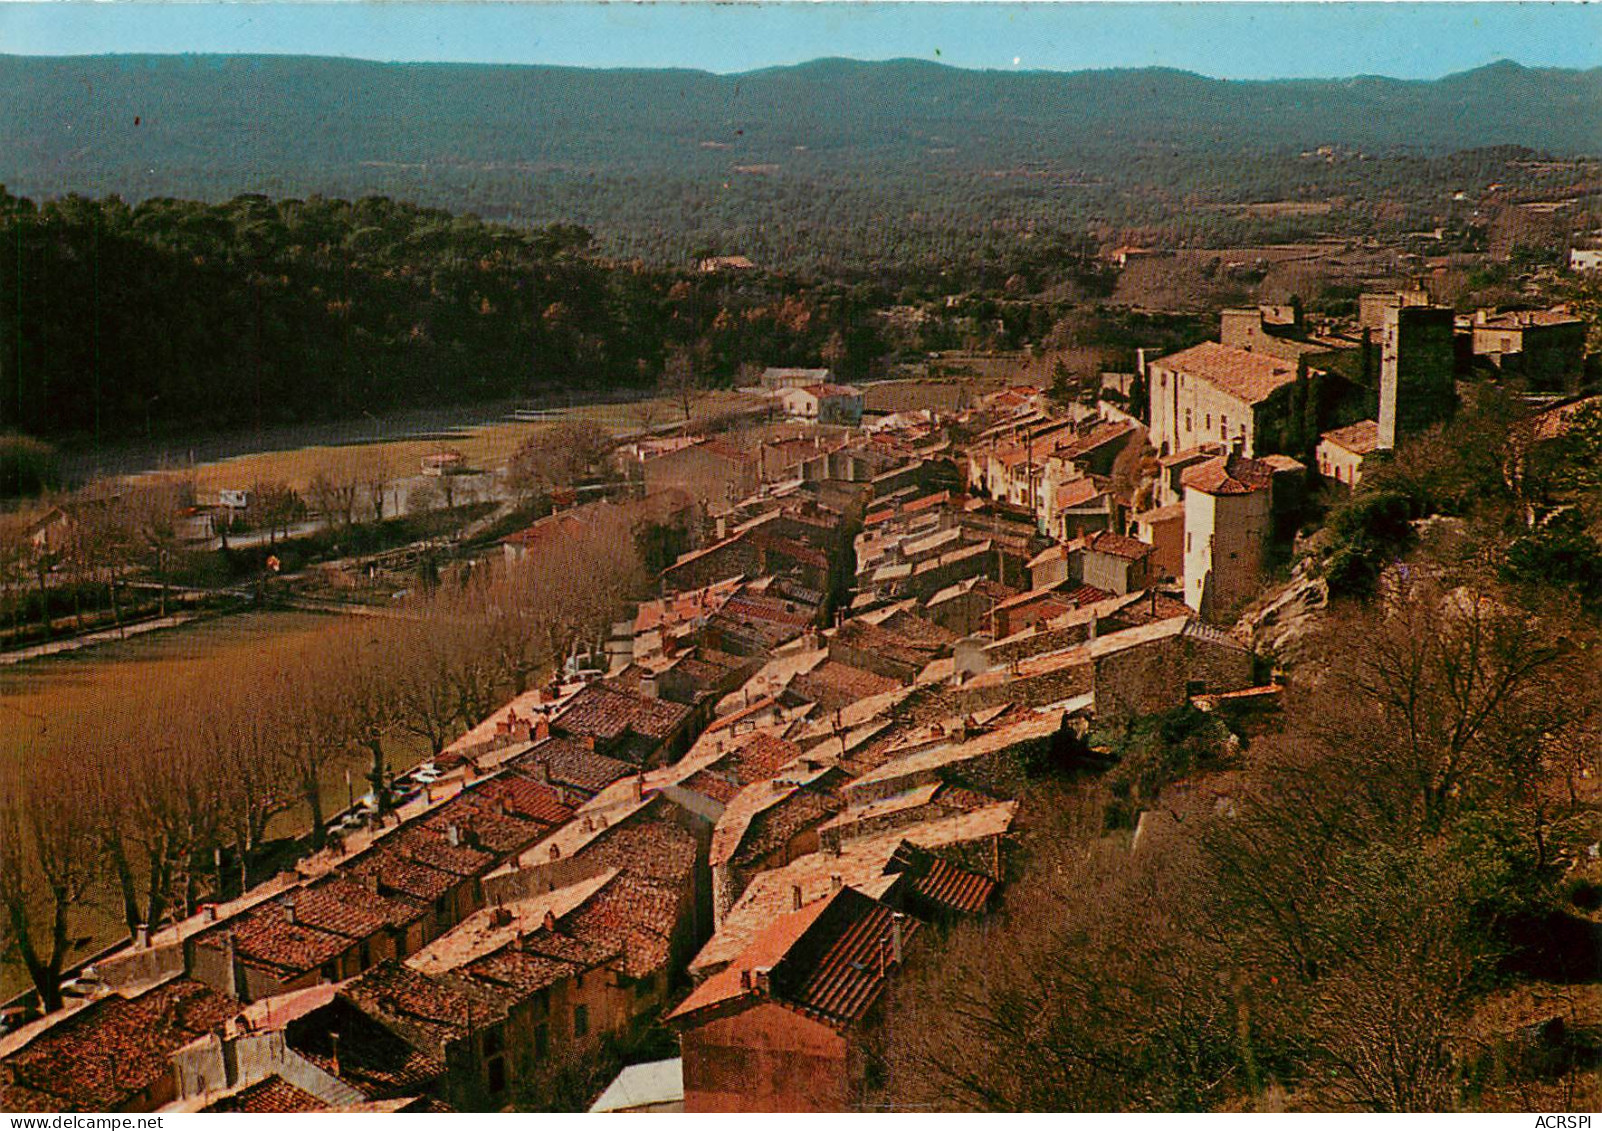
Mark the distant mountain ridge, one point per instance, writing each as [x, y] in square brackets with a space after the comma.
[540, 143]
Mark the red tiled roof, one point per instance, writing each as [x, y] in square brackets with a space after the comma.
[752, 606]
[395, 872]
[1097, 437]
[1247, 376]
[830, 959]
[634, 914]
[606, 712]
[708, 784]
[954, 887]
[514, 969]
[1119, 545]
[267, 936]
[849, 975]
[832, 684]
[724, 449]
[760, 756]
[1078, 492]
[1228, 476]
[373, 1059]
[1086, 595]
[273, 1095]
[1359, 439]
[646, 845]
[570, 761]
[113, 1050]
[425, 1011]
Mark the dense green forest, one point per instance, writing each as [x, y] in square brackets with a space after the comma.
[829, 167]
[123, 320]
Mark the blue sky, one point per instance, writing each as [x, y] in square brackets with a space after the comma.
[1225, 40]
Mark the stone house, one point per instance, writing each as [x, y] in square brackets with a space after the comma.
[823, 404]
[1342, 451]
[1163, 528]
[1228, 525]
[1546, 348]
[1213, 392]
[714, 473]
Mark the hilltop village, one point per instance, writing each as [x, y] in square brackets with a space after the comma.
[719, 836]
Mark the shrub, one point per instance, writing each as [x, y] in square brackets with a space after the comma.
[27, 466]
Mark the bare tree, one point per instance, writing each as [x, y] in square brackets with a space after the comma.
[334, 495]
[49, 862]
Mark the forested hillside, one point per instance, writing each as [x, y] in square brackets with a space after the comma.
[826, 165]
[172, 315]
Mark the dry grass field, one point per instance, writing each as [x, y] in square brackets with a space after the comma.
[42, 696]
[483, 446]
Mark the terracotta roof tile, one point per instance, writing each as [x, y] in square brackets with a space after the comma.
[571, 762]
[113, 1050]
[832, 684]
[373, 1059]
[709, 784]
[266, 936]
[606, 712]
[1360, 438]
[1225, 475]
[273, 1095]
[1119, 545]
[1249, 377]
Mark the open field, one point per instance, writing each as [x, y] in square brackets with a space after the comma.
[483, 445]
[40, 696]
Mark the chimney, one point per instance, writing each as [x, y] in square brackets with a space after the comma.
[542, 772]
[1480, 317]
[589, 823]
[500, 917]
[589, 741]
[550, 920]
[648, 686]
[896, 920]
[761, 979]
[639, 786]
[835, 882]
[453, 834]
[556, 852]
[542, 729]
[142, 935]
[289, 907]
[795, 896]
[210, 912]
[745, 979]
[333, 1042]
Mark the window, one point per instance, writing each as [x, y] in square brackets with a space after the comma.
[1209, 419]
[367, 955]
[581, 1020]
[542, 1040]
[493, 1042]
[645, 986]
[497, 1075]
[1190, 541]
[1223, 427]
[1187, 420]
[331, 972]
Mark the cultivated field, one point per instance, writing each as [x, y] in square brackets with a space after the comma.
[483, 445]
